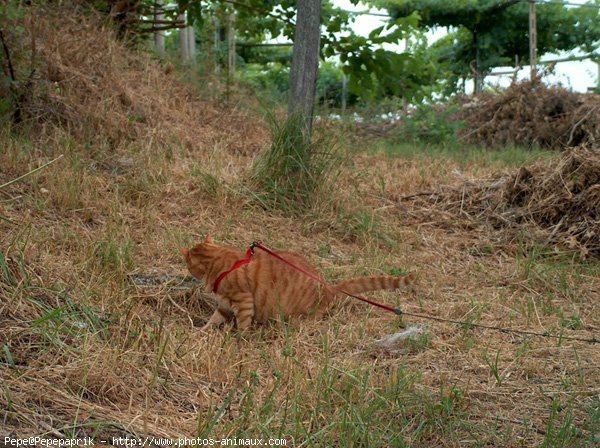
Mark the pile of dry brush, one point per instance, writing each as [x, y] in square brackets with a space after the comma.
[553, 203]
[531, 113]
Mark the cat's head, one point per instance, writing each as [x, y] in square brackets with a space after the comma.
[198, 258]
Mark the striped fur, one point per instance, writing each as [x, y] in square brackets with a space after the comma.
[266, 288]
[359, 285]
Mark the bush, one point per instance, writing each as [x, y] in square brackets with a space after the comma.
[431, 124]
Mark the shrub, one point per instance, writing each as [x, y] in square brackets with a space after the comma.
[431, 124]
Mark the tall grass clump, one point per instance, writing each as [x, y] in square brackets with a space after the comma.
[297, 172]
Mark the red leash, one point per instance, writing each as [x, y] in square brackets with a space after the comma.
[258, 245]
[397, 311]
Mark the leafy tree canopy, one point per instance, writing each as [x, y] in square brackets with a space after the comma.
[373, 69]
[498, 29]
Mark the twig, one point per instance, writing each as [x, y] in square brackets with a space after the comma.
[17, 117]
[8, 59]
[51, 430]
[4, 218]
[182, 310]
[518, 422]
[424, 193]
[30, 173]
[487, 123]
[578, 123]
[162, 28]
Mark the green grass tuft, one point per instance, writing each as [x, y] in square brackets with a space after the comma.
[295, 173]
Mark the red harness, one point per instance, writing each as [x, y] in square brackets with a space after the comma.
[236, 265]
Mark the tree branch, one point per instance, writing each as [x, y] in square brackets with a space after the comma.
[16, 115]
[162, 28]
[275, 16]
[11, 70]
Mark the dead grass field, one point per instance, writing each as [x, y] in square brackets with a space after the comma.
[100, 337]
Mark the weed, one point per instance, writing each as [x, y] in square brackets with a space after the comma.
[398, 272]
[494, 367]
[9, 359]
[143, 188]
[523, 348]
[473, 316]
[113, 256]
[449, 402]
[209, 183]
[560, 433]
[9, 404]
[594, 421]
[205, 425]
[573, 323]
[63, 327]
[554, 277]
[323, 250]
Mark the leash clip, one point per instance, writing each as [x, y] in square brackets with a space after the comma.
[253, 246]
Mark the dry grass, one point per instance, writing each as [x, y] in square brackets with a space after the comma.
[88, 351]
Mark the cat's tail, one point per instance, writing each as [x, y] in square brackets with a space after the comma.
[359, 285]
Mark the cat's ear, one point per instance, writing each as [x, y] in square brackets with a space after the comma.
[209, 239]
[184, 252]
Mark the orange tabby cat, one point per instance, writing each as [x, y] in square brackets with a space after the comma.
[265, 287]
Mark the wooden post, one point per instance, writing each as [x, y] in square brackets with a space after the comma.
[478, 80]
[344, 92]
[191, 40]
[231, 48]
[477, 74]
[217, 46]
[159, 36]
[516, 72]
[532, 39]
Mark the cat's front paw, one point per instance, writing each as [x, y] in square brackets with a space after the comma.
[206, 328]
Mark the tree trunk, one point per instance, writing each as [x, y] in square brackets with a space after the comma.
[183, 40]
[305, 62]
